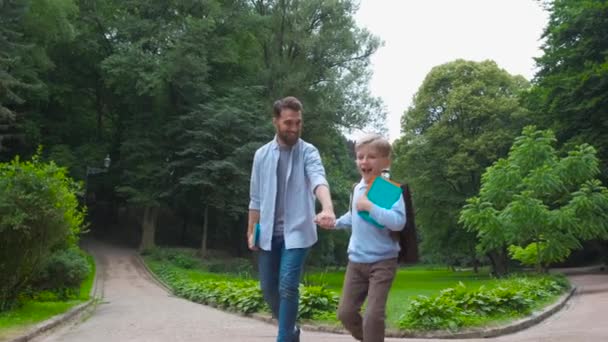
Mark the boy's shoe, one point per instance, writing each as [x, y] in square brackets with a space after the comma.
[296, 334]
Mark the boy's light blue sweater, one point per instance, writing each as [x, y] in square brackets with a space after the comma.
[369, 244]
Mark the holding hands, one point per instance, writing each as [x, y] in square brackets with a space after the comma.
[326, 219]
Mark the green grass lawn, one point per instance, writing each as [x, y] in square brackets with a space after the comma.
[31, 312]
[409, 282]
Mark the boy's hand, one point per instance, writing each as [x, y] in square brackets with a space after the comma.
[250, 243]
[364, 204]
[326, 219]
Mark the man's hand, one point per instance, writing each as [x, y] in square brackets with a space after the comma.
[364, 204]
[251, 244]
[326, 219]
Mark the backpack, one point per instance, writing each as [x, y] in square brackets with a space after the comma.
[407, 237]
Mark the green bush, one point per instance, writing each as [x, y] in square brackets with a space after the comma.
[182, 258]
[457, 307]
[237, 295]
[242, 295]
[63, 272]
[315, 300]
[433, 313]
[186, 258]
[39, 212]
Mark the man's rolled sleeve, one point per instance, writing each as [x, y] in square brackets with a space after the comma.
[314, 169]
[254, 186]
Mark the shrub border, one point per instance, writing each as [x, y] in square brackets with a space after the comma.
[94, 297]
[482, 332]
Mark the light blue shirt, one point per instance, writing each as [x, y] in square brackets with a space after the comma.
[304, 173]
[369, 243]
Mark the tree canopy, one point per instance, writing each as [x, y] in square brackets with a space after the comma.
[463, 117]
[571, 86]
[538, 204]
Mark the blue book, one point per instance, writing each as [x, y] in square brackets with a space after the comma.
[383, 193]
[256, 235]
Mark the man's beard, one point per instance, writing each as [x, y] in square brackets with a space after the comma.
[289, 139]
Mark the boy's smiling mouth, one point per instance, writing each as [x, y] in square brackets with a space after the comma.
[366, 170]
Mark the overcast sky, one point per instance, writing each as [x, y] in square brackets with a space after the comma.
[420, 34]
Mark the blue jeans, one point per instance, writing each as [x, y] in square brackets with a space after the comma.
[280, 270]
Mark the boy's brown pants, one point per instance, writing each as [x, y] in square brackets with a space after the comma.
[371, 281]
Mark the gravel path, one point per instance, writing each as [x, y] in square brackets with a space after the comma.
[135, 308]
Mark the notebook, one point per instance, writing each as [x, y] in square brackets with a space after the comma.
[256, 235]
[383, 193]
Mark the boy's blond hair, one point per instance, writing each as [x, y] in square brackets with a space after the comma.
[377, 142]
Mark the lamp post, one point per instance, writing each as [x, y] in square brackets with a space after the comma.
[95, 170]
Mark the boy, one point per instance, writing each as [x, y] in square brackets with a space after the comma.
[372, 252]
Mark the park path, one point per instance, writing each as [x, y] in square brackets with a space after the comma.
[135, 308]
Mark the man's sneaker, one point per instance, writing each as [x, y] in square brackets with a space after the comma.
[296, 334]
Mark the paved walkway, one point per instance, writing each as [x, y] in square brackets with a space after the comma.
[135, 308]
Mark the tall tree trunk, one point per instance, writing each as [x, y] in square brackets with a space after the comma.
[499, 262]
[148, 228]
[205, 231]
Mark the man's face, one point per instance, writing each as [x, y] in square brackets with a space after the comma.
[370, 163]
[288, 126]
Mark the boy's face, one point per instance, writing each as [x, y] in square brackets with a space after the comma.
[288, 126]
[370, 163]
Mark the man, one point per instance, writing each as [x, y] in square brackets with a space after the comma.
[286, 176]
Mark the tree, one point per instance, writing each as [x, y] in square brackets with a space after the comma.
[12, 48]
[539, 203]
[124, 77]
[11, 12]
[158, 74]
[28, 28]
[462, 118]
[571, 85]
[213, 166]
[314, 51]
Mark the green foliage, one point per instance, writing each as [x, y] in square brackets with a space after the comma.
[534, 198]
[315, 301]
[179, 94]
[63, 272]
[234, 294]
[28, 28]
[39, 306]
[529, 256]
[409, 282]
[188, 259]
[39, 212]
[315, 51]
[14, 78]
[240, 295]
[457, 307]
[571, 93]
[463, 117]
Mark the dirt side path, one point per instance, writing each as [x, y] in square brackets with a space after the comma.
[135, 308]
